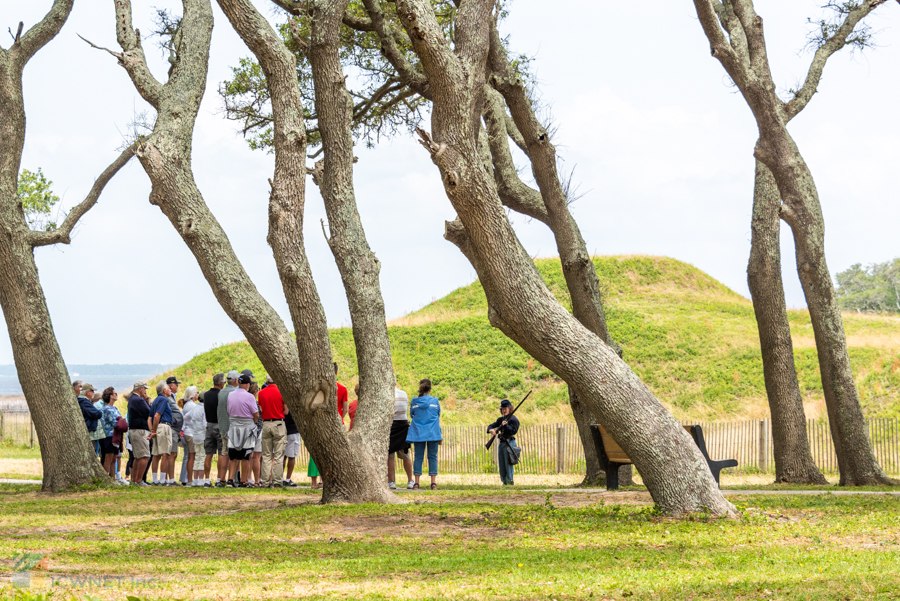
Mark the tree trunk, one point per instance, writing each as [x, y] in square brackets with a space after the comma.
[743, 54]
[793, 459]
[310, 391]
[518, 301]
[802, 212]
[578, 268]
[357, 264]
[67, 453]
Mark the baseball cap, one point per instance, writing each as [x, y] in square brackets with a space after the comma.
[249, 373]
[86, 387]
[172, 380]
[245, 379]
[140, 385]
[233, 375]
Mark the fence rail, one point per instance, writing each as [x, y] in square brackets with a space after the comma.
[556, 448]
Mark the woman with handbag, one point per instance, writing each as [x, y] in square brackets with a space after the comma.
[505, 429]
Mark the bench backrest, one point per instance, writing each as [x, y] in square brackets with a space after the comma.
[612, 448]
[613, 451]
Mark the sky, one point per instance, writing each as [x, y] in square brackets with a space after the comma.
[660, 144]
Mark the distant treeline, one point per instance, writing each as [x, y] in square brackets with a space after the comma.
[106, 369]
[872, 289]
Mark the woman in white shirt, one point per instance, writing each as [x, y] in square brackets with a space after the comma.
[189, 410]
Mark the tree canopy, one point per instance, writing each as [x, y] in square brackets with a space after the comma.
[37, 200]
[872, 289]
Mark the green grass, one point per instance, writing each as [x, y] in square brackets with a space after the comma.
[465, 543]
[691, 339]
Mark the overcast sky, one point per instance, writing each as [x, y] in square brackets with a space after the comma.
[660, 144]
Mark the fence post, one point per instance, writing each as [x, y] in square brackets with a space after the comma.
[2, 420]
[560, 449]
[762, 445]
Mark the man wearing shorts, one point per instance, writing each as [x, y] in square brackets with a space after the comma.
[291, 448]
[224, 422]
[397, 442]
[139, 432]
[242, 415]
[161, 433]
[212, 444]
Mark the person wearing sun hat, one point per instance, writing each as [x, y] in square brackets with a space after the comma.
[139, 431]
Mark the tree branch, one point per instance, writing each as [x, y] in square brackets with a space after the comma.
[118, 55]
[832, 45]
[357, 23]
[25, 46]
[514, 193]
[389, 46]
[721, 49]
[290, 6]
[133, 58]
[63, 234]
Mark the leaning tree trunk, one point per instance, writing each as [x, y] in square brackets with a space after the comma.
[802, 212]
[793, 459]
[310, 391]
[66, 452]
[519, 302]
[577, 266]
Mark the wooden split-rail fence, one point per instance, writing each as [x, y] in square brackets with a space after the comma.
[556, 448]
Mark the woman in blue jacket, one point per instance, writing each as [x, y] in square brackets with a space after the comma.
[425, 431]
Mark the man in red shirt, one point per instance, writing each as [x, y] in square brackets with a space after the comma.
[274, 432]
[343, 404]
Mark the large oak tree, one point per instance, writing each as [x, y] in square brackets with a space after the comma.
[353, 465]
[519, 302]
[66, 452]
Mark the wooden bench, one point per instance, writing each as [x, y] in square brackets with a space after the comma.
[612, 456]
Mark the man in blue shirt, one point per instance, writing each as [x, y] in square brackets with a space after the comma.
[161, 433]
[90, 414]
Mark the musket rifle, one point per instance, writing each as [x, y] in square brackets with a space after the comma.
[491, 441]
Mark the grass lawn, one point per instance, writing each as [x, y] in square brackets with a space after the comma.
[473, 542]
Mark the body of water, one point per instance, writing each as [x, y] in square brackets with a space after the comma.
[120, 379]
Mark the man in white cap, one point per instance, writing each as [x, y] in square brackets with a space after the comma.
[242, 413]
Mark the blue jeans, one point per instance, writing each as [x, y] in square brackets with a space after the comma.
[506, 470]
[96, 447]
[420, 455]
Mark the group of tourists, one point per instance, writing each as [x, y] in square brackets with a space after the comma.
[251, 432]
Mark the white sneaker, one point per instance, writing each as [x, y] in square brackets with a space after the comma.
[392, 486]
[410, 484]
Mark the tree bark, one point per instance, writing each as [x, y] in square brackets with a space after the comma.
[519, 303]
[743, 55]
[578, 268]
[793, 459]
[67, 454]
[357, 264]
[303, 369]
